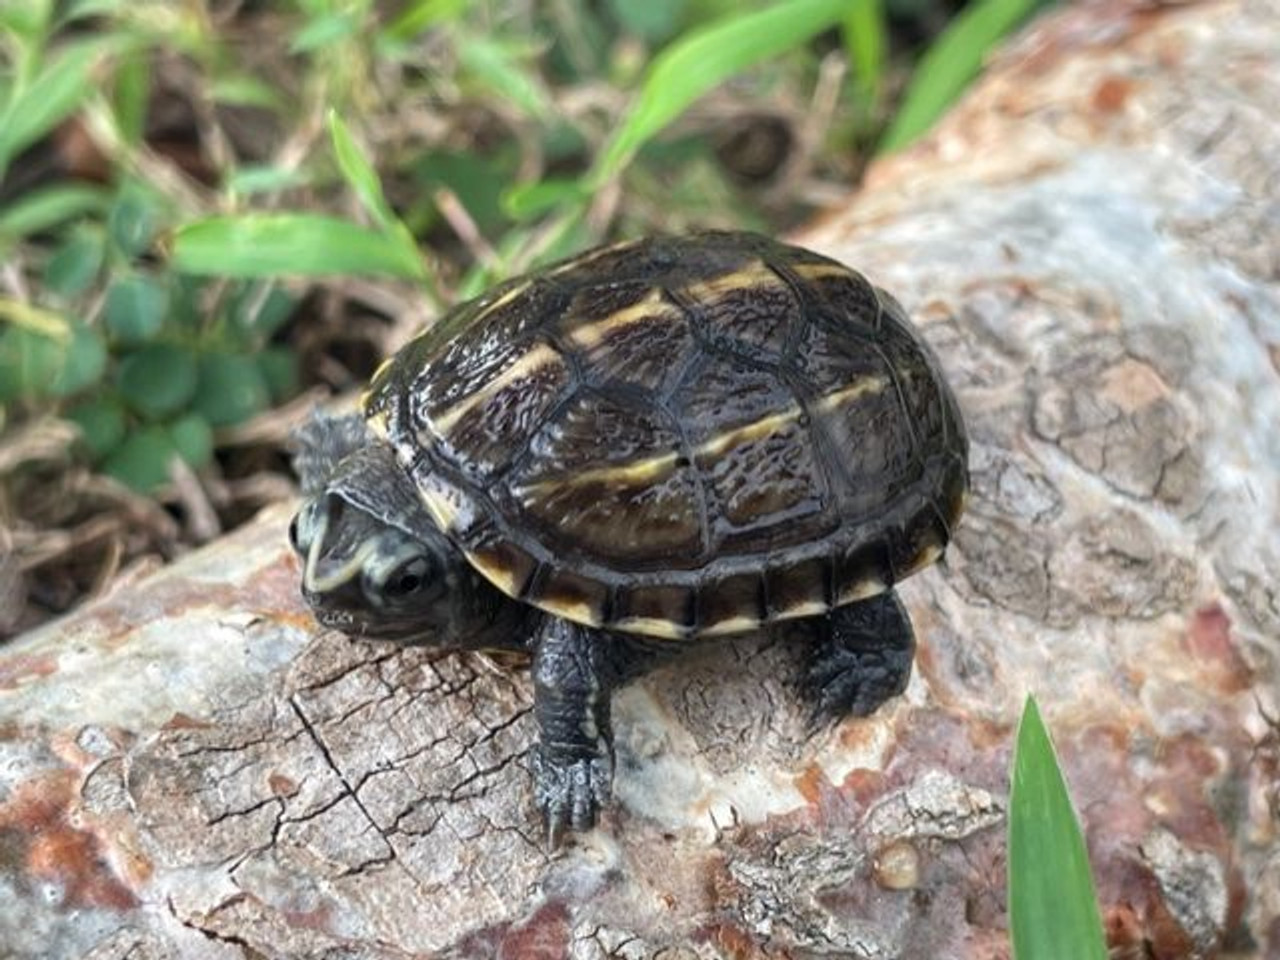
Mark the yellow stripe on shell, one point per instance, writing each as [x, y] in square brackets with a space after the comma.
[652, 627]
[579, 611]
[731, 625]
[820, 271]
[653, 306]
[539, 357]
[859, 388]
[861, 590]
[502, 577]
[754, 274]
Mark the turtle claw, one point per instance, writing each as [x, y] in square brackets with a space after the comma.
[570, 792]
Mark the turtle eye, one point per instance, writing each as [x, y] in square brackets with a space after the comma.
[407, 579]
[293, 534]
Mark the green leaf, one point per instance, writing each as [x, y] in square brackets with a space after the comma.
[359, 172]
[102, 425]
[244, 90]
[142, 460]
[296, 244]
[29, 363]
[132, 222]
[866, 38]
[157, 380]
[56, 92]
[132, 95]
[47, 207]
[260, 309]
[653, 20]
[1053, 911]
[528, 201]
[75, 265]
[950, 63]
[84, 360]
[255, 179]
[279, 367]
[704, 58]
[231, 389]
[422, 15]
[496, 66]
[192, 437]
[325, 31]
[136, 308]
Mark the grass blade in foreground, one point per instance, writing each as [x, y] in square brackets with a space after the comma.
[283, 244]
[1053, 910]
[705, 57]
[950, 63]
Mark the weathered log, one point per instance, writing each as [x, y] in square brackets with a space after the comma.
[188, 768]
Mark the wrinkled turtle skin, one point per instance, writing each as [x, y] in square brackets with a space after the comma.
[652, 443]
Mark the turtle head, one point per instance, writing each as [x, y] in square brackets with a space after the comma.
[373, 563]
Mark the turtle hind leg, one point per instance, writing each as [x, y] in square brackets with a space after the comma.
[861, 657]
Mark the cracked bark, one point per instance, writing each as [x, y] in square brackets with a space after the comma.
[189, 769]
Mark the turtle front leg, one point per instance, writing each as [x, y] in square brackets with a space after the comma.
[861, 657]
[572, 686]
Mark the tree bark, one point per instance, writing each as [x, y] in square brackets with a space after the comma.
[190, 768]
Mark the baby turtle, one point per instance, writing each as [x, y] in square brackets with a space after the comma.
[652, 443]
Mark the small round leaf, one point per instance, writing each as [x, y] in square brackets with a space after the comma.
[157, 380]
[279, 367]
[142, 460]
[84, 360]
[192, 437]
[29, 363]
[231, 389]
[132, 222]
[75, 265]
[102, 425]
[136, 308]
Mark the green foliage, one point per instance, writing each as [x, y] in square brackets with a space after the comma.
[947, 67]
[158, 312]
[1053, 911]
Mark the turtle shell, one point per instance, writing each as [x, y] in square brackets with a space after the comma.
[681, 436]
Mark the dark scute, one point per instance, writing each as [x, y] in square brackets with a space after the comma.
[739, 595]
[803, 582]
[488, 436]
[843, 301]
[500, 554]
[450, 366]
[594, 430]
[867, 560]
[767, 492]
[756, 321]
[637, 528]
[570, 484]
[647, 355]
[725, 393]
[675, 604]
[564, 590]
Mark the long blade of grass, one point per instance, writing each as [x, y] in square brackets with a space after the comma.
[359, 172]
[53, 94]
[950, 63]
[283, 244]
[865, 34]
[705, 57]
[49, 206]
[1053, 910]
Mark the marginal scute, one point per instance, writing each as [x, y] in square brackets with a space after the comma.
[680, 437]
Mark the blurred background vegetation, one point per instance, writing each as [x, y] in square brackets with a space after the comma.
[215, 214]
